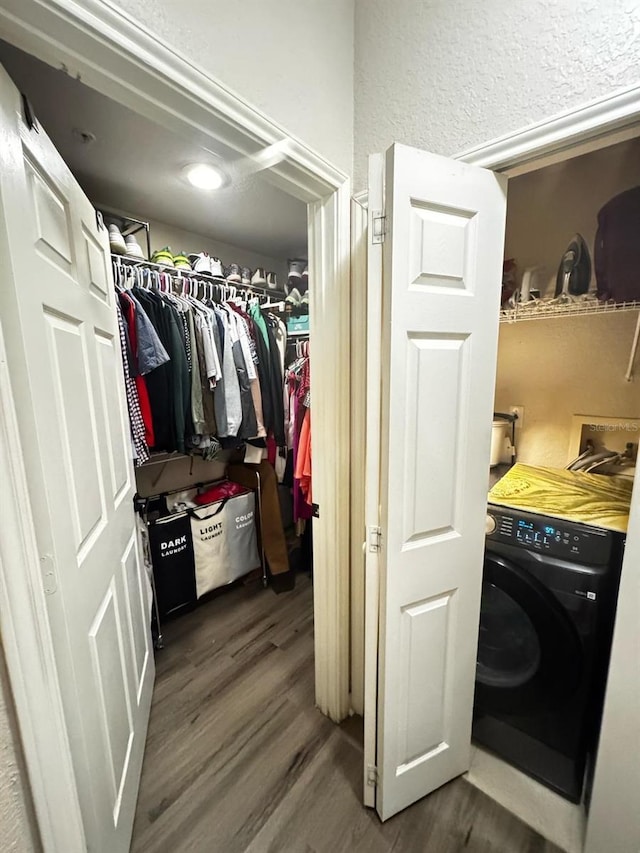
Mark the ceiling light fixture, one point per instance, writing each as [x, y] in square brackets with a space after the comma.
[204, 176]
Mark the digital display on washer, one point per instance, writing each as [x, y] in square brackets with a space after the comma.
[543, 535]
[568, 540]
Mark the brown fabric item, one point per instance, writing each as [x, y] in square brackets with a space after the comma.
[273, 538]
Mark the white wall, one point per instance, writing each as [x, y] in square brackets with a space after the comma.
[292, 59]
[563, 367]
[187, 241]
[448, 74]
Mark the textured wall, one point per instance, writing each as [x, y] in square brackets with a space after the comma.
[448, 74]
[564, 367]
[16, 825]
[293, 59]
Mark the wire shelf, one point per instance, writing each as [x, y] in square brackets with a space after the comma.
[126, 260]
[547, 309]
[128, 225]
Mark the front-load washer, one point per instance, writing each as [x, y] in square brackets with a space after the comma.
[546, 620]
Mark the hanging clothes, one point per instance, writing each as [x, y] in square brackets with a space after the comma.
[139, 445]
[128, 308]
[298, 434]
[302, 471]
[207, 372]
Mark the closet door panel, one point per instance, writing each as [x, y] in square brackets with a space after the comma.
[76, 419]
[113, 416]
[51, 219]
[111, 685]
[442, 270]
[58, 313]
[99, 274]
[132, 576]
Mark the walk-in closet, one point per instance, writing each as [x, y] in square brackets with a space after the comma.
[209, 260]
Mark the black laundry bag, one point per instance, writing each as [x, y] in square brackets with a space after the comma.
[173, 563]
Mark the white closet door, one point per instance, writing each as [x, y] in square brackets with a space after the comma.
[62, 342]
[442, 272]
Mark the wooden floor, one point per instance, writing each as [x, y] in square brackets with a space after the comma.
[239, 760]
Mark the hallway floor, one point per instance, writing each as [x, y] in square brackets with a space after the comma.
[238, 760]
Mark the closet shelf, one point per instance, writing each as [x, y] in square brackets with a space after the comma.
[549, 308]
[278, 295]
[127, 225]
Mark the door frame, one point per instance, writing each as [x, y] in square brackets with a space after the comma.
[594, 125]
[114, 54]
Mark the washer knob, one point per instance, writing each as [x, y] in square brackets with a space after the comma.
[490, 525]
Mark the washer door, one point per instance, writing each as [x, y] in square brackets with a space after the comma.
[529, 652]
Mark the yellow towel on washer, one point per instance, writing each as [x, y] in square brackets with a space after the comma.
[588, 498]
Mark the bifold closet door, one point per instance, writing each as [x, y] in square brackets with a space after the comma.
[58, 316]
[441, 278]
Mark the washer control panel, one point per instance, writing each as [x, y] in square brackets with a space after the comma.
[558, 538]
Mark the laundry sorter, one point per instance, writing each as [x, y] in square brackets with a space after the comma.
[199, 540]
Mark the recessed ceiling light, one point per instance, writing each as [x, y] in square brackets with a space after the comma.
[204, 176]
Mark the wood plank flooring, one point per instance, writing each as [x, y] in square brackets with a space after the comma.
[238, 759]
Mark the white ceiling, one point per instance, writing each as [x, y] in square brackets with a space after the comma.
[135, 165]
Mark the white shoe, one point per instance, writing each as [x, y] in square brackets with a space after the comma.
[258, 279]
[216, 267]
[133, 248]
[272, 281]
[294, 298]
[116, 241]
[233, 274]
[201, 262]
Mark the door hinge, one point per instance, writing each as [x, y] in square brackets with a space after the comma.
[372, 775]
[375, 539]
[378, 226]
[49, 579]
[28, 115]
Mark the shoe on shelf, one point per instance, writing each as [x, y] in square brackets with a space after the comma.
[233, 273]
[259, 279]
[217, 268]
[272, 281]
[296, 268]
[181, 262]
[133, 248]
[305, 299]
[116, 241]
[245, 276]
[201, 262]
[164, 257]
[304, 283]
[294, 298]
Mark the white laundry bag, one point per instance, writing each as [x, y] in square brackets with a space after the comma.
[224, 541]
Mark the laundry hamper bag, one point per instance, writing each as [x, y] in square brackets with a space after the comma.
[173, 567]
[224, 541]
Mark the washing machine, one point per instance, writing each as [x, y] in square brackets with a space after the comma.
[547, 613]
